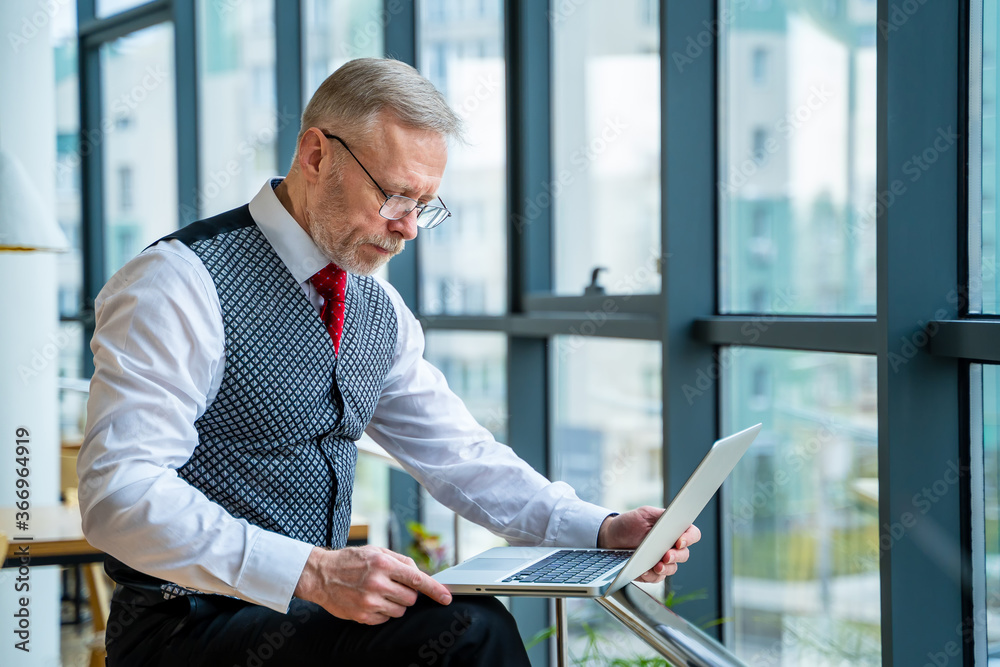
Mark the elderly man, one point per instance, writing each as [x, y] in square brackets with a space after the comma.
[237, 362]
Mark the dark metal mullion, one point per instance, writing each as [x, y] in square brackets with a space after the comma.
[288, 72]
[186, 91]
[529, 254]
[974, 340]
[645, 304]
[850, 335]
[688, 231]
[565, 324]
[91, 149]
[922, 545]
[96, 31]
[969, 178]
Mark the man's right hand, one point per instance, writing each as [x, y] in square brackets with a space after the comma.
[366, 584]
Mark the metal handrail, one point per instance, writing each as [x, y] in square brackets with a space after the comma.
[679, 641]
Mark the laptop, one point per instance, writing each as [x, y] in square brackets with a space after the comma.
[566, 572]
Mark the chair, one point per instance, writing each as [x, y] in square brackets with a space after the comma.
[100, 609]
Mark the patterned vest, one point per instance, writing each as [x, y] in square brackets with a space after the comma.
[276, 446]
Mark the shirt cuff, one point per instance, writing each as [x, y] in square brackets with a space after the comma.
[597, 540]
[273, 569]
[581, 523]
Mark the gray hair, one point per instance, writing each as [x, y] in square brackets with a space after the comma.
[350, 101]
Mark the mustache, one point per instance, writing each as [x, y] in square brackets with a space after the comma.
[393, 244]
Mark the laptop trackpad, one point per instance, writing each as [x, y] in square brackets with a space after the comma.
[490, 564]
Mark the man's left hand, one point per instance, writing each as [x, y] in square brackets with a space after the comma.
[626, 530]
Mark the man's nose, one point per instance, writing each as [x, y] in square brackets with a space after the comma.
[406, 226]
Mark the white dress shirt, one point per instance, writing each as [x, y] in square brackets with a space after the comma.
[159, 356]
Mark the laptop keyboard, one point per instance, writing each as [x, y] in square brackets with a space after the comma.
[576, 566]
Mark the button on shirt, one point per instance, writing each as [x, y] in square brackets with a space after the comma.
[159, 356]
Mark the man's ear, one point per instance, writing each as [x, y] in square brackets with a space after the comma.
[312, 152]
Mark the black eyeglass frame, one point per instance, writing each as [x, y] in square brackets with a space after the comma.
[421, 208]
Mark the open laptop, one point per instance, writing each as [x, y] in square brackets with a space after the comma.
[564, 572]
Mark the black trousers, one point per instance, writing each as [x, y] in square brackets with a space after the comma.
[217, 631]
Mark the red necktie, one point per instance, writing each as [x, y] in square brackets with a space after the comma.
[331, 283]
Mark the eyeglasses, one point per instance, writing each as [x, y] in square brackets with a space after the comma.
[397, 206]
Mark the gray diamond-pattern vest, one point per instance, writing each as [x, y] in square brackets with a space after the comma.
[276, 446]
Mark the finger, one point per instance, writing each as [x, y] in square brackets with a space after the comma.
[413, 578]
[406, 560]
[392, 610]
[398, 594]
[373, 618]
[689, 537]
[658, 573]
[680, 555]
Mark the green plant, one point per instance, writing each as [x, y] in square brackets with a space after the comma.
[426, 551]
[593, 653]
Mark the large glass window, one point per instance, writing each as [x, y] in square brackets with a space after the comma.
[983, 249]
[237, 110]
[68, 159]
[990, 434]
[72, 401]
[797, 157]
[138, 130]
[335, 31]
[607, 424]
[475, 366]
[605, 187]
[463, 267]
[110, 7]
[803, 508]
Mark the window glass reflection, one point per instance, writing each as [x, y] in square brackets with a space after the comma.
[139, 139]
[68, 159]
[607, 444]
[463, 263]
[991, 486]
[475, 366]
[983, 256]
[797, 148]
[237, 109]
[802, 508]
[335, 31]
[605, 188]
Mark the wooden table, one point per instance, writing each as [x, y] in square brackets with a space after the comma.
[57, 537]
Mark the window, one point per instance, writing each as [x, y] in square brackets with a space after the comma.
[473, 364]
[803, 508]
[811, 93]
[604, 192]
[110, 7]
[137, 74]
[470, 258]
[238, 117]
[983, 249]
[986, 427]
[606, 442]
[336, 31]
[68, 162]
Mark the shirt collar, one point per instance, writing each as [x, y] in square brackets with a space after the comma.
[294, 246]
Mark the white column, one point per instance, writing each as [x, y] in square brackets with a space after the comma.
[28, 293]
